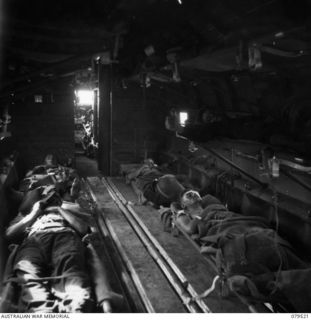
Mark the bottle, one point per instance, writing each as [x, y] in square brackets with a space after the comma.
[275, 167]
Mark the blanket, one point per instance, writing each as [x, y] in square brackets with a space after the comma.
[248, 246]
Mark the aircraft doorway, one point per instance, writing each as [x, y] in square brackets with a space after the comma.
[84, 124]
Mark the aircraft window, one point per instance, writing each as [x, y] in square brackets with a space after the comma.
[183, 117]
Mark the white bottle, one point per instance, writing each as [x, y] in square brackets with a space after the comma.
[275, 167]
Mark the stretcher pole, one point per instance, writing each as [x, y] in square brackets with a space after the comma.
[7, 293]
[105, 296]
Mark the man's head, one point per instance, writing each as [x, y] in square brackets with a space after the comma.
[150, 163]
[190, 198]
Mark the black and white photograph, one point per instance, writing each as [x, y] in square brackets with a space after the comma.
[155, 158]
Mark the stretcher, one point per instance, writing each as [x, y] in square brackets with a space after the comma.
[106, 299]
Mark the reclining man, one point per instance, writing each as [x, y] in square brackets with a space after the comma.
[151, 184]
[244, 245]
[50, 173]
[50, 263]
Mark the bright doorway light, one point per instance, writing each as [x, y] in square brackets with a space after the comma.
[85, 97]
[183, 117]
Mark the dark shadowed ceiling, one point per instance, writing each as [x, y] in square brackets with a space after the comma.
[42, 41]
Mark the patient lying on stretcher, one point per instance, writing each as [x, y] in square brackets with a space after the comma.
[249, 253]
[153, 185]
[65, 179]
[52, 247]
[50, 264]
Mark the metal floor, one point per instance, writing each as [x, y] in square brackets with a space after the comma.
[85, 166]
